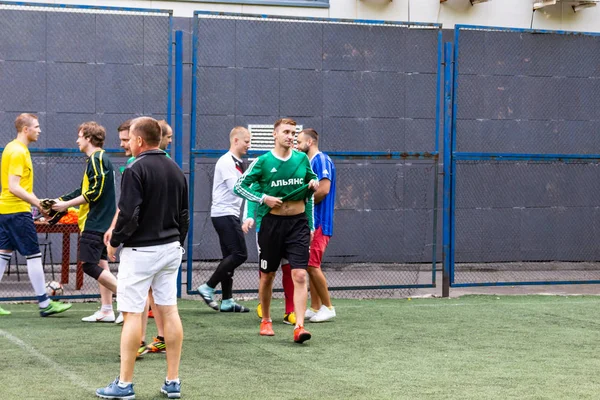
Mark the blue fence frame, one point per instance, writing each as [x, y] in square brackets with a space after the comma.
[451, 87]
[344, 155]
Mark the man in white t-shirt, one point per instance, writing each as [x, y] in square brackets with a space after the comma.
[225, 212]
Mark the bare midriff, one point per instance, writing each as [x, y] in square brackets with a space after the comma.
[291, 207]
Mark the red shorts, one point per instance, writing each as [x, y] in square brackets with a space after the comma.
[317, 248]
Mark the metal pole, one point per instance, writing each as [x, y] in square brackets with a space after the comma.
[179, 98]
[447, 212]
[179, 117]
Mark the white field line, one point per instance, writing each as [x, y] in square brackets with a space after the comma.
[74, 378]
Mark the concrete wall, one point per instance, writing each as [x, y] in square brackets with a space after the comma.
[507, 13]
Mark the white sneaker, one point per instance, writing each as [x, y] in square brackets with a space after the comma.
[119, 319]
[309, 313]
[324, 314]
[100, 316]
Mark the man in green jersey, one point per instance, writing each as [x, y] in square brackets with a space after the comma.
[123, 130]
[282, 182]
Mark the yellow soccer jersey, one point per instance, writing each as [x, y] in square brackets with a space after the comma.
[16, 160]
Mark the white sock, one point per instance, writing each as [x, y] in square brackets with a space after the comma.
[35, 270]
[4, 260]
[106, 309]
[122, 384]
[176, 380]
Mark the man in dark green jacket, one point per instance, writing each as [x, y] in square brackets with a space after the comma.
[97, 205]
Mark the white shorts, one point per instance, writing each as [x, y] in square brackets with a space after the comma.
[142, 268]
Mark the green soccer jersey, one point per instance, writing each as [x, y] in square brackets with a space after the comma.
[286, 179]
[130, 160]
[250, 208]
[122, 167]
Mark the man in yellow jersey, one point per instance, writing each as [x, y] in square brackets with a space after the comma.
[17, 230]
[96, 198]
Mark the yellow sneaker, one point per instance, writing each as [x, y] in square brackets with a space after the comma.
[290, 318]
[141, 350]
[259, 310]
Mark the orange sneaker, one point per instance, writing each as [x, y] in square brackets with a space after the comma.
[150, 313]
[301, 335]
[266, 328]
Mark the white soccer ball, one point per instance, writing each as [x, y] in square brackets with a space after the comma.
[54, 289]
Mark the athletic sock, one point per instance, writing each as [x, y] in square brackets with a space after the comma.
[106, 308]
[288, 287]
[227, 303]
[35, 270]
[123, 385]
[176, 380]
[4, 260]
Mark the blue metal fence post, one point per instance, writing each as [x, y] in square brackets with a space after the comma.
[192, 159]
[179, 117]
[438, 94]
[179, 98]
[447, 225]
[170, 73]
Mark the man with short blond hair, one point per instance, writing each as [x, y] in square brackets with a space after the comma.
[225, 213]
[17, 230]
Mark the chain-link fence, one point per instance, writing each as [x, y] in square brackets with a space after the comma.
[525, 157]
[55, 175]
[68, 65]
[384, 230]
[371, 90]
[527, 221]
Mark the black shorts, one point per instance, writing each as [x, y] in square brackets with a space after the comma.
[91, 247]
[283, 237]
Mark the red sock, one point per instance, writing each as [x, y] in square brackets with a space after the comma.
[288, 287]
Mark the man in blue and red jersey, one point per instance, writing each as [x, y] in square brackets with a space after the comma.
[321, 308]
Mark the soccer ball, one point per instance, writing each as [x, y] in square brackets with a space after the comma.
[54, 289]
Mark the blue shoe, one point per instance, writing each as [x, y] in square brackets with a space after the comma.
[207, 294]
[172, 390]
[114, 391]
[232, 306]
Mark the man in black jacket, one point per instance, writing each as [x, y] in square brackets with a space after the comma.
[152, 225]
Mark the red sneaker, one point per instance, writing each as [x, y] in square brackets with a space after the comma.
[266, 328]
[301, 335]
[150, 313]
